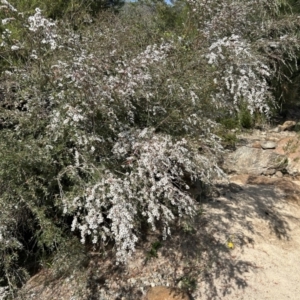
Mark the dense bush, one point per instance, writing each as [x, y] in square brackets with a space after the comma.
[100, 127]
[58, 8]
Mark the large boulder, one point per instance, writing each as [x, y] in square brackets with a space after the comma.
[254, 161]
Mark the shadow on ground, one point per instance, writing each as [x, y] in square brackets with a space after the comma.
[201, 256]
[226, 222]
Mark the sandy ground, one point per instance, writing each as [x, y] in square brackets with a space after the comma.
[263, 227]
[244, 244]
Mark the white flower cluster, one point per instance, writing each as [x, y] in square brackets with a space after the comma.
[38, 23]
[7, 20]
[245, 79]
[150, 185]
[132, 74]
[98, 95]
[6, 33]
[149, 180]
[219, 18]
[240, 72]
[4, 292]
[6, 5]
[113, 91]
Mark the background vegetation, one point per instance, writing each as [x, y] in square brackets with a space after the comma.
[109, 113]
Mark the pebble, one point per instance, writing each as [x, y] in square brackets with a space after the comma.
[276, 130]
[268, 145]
[270, 172]
[256, 144]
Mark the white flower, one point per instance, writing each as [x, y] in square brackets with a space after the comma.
[7, 4]
[6, 21]
[15, 47]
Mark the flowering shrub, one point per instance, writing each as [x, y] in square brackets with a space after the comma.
[100, 127]
[245, 80]
[3, 293]
[150, 185]
[247, 42]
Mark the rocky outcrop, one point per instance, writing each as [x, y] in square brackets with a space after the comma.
[266, 153]
[255, 161]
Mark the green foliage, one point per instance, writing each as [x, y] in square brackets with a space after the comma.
[229, 125]
[297, 127]
[54, 9]
[152, 253]
[228, 138]
[30, 214]
[188, 227]
[188, 283]
[245, 118]
[230, 122]
[57, 9]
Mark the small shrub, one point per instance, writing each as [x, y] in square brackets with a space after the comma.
[229, 140]
[152, 253]
[230, 123]
[246, 119]
[188, 283]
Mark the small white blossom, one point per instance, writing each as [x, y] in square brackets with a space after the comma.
[8, 5]
[15, 47]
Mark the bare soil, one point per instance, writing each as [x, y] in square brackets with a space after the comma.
[263, 224]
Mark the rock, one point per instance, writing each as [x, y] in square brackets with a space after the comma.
[240, 179]
[268, 145]
[45, 285]
[276, 129]
[256, 144]
[164, 293]
[246, 160]
[273, 138]
[287, 125]
[290, 147]
[279, 174]
[270, 172]
[242, 142]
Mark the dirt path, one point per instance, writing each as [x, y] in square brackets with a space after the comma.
[264, 228]
[244, 244]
